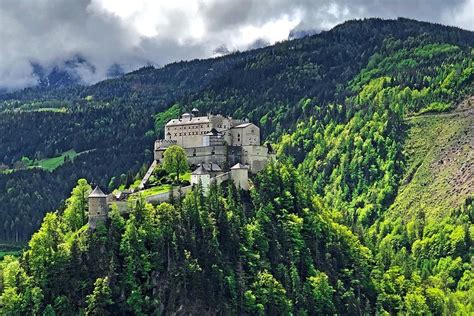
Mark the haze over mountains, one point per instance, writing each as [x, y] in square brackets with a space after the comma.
[105, 35]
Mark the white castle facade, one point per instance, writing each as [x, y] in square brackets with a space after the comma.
[215, 139]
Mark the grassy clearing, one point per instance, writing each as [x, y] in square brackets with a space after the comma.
[9, 253]
[52, 163]
[161, 188]
[10, 250]
[155, 190]
[440, 165]
[186, 176]
[57, 110]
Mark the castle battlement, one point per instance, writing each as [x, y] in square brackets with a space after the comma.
[164, 143]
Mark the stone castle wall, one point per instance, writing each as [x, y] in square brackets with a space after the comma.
[98, 211]
[225, 156]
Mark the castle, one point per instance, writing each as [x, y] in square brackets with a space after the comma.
[218, 148]
[215, 139]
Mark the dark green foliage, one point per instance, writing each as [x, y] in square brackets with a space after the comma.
[228, 252]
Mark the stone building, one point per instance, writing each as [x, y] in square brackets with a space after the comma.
[215, 139]
[240, 175]
[201, 176]
[205, 174]
[98, 207]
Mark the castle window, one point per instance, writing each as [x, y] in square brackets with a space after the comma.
[175, 134]
[184, 134]
[179, 134]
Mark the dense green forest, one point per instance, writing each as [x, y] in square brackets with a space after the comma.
[368, 208]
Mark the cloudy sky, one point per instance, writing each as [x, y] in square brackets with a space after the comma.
[133, 33]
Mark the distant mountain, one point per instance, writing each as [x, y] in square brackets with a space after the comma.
[65, 74]
[55, 78]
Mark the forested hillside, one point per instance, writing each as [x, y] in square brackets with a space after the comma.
[369, 208]
[113, 121]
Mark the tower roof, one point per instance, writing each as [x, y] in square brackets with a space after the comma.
[238, 166]
[211, 166]
[200, 171]
[97, 193]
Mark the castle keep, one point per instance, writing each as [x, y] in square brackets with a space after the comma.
[215, 139]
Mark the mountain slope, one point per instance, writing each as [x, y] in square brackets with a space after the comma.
[440, 163]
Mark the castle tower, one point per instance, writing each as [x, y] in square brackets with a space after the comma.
[203, 176]
[240, 175]
[98, 207]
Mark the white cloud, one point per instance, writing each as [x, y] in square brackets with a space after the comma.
[134, 33]
[462, 16]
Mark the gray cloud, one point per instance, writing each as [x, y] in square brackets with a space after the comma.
[132, 34]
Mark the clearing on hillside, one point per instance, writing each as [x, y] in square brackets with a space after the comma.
[440, 170]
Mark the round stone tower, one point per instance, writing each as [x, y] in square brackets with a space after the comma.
[240, 175]
[98, 207]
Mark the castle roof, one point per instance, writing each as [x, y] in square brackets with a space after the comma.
[238, 166]
[243, 125]
[97, 193]
[214, 132]
[211, 166]
[189, 121]
[199, 171]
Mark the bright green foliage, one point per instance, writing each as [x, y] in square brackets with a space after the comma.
[175, 160]
[267, 296]
[320, 294]
[100, 299]
[163, 117]
[76, 205]
[229, 252]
